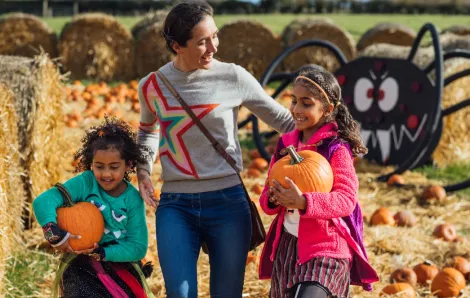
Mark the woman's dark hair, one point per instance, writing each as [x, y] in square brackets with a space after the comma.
[111, 134]
[181, 20]
[348, 128]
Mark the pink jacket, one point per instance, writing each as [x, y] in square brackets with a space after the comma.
[322, 232]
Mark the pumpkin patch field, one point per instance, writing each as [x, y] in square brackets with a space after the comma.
[416, 236]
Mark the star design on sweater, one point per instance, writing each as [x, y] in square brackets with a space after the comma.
[174, 122]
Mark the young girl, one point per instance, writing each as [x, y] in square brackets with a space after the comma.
[108, 155]
[314, 246]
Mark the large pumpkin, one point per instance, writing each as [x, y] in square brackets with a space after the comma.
[309, 170]
[83, 219]
[448, 283]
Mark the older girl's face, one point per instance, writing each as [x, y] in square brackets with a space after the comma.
[200, 49]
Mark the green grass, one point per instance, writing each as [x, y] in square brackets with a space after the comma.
[26, 271]
[355, 24]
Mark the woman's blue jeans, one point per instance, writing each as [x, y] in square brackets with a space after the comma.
[219, 218]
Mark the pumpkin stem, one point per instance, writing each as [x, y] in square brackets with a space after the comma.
[65, 195]
[295, 157]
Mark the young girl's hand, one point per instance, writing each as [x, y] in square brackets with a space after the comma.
[291, 197]
[87, 251]
[146, 188]
[65, 247]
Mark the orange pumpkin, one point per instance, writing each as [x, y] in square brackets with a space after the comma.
[71, 217]
[309, 170]
[406, 275]
[382, 216]
[446, 232]
[251, 258]
[253, 173]
[257, 188]
[259, 164]
[448, 283]
[425, 271]
[461, 264]
[395, 180]
[404, 218]
[434, 192]
[402, 288]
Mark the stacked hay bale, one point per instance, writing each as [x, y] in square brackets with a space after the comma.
[458, 30]
[317, 29]
[96, 46]
[454, 145]
[25, 35]
[150, 50]
[11, 196]
[39, 97]
[157, 16]
[250, 44]
[390, 33]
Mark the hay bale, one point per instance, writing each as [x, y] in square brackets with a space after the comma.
[157, 16]
[24, 35]
[454, 145]
[423, 56]
[250, 44]
[390, 33]
[11, 196]
[451, 42]
[457, 30]
[39, 98]
[150, 51]
[96, 46]
[317, 29]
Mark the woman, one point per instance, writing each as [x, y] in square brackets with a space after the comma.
[202, 199]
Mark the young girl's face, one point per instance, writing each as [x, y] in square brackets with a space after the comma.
[308, 111]
[109, 170]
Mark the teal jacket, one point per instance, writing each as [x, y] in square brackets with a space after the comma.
[124, 216]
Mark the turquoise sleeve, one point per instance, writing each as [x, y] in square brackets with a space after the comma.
[134, 247]
[45, 205]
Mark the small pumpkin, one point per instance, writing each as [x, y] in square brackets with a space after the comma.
[251, 258]
[156, 193]
[446, 232]
[70, 219]
[448, 283]
[461, 264]
[395, 180]
[382, 216]
[406, 275]
[404, 218]
[434, 192]
[257, 188]
[254, 153]
[309, 170]
[402, 288]
[425, 271]
[253, 173]
[259, 164]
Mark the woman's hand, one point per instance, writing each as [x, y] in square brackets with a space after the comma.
[146, 188]
[291, 198]
[65, 247]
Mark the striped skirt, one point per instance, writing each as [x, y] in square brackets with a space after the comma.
[331, 273]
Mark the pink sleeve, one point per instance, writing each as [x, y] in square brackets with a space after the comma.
[264, 200]
[342, 199]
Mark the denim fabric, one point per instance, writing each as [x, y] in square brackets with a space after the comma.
[221, 219]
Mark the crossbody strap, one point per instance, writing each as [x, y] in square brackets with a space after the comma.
[201, 126]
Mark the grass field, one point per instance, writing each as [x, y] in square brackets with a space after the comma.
[355, 24]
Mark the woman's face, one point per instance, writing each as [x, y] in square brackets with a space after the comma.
[200, 49]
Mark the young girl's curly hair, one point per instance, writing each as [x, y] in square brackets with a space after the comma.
[348, 128]
[112, 133]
